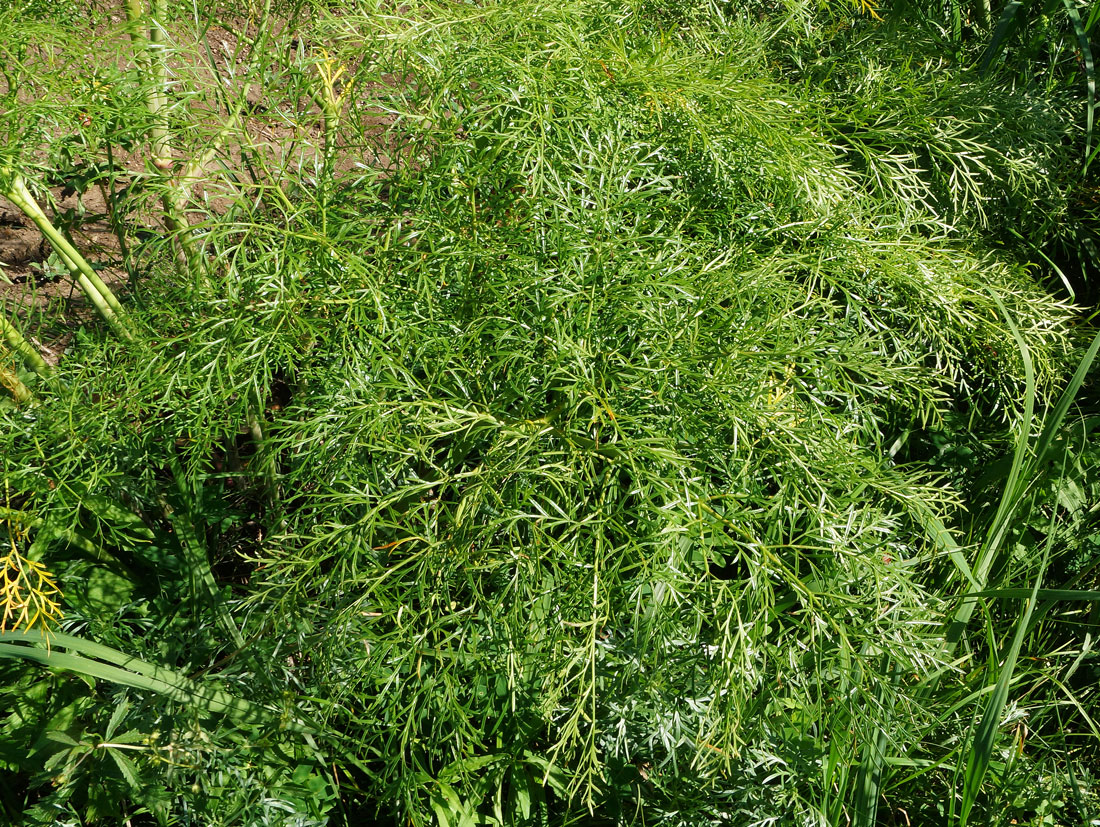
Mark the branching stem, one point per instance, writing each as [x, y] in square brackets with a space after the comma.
[99, 294]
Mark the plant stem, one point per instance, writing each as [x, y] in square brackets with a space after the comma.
[110, 198]
[158, 73]
[20, 345]
[331, 102]
[269, 474]
[100, 295]
[151, 63]
[985, 12]
[20, 392]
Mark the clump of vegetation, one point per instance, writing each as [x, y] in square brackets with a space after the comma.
[549, 413]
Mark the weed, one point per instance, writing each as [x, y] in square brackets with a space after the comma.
[546, 413]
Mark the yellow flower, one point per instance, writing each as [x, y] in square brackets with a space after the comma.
[27, 592]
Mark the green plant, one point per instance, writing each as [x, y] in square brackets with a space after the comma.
[568, 418]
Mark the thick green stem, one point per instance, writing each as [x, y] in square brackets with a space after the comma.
[332, 126]
[134, 15]
[985, 12]
[151, 62]
[158, 74]
[269, 473]
[98, 293]
[20, 392]
[18, 344]
[331, 103]
[177, 193]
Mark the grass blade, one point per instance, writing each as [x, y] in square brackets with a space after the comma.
[941, 537]
[1090, 72]
[1061, 408]
[1013, 491]
[1066, 595]
[869, 778]
[1007, 25]
[126, 670]
[981, 747]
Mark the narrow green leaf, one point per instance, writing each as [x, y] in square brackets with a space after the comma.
[452, 806]
[132, 736]
[111, 512]
[121, 708]
[955, 7]
[442, 811]
[1062, 406]
[1011, 496]
[61, 738]
[1007, 25]
[1046, 595]
[553, 776]
[521, 782]
[1090, 72]
[942, 538]
[137, 674]
[869, 777]
[1094, 15]
[984, 741]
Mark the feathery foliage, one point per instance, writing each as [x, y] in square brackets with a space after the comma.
[575, 412]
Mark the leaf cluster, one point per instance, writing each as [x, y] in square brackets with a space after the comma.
[549, 435]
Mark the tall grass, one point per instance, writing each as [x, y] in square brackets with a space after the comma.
[552, 414]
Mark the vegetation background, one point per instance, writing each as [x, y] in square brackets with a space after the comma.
[575, 412]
